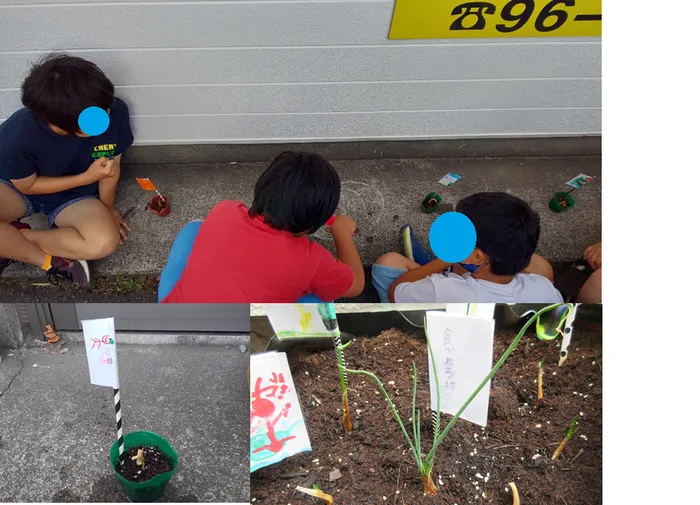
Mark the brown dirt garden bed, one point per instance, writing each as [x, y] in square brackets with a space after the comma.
[473, 465]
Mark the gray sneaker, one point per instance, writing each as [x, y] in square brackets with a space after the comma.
[71, 270]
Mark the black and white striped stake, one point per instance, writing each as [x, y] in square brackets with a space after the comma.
[333, 327]
[436, 422]
[120, 433]
[339, 352]
[330, 321]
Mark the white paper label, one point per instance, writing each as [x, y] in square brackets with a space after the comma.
[463, 349]
[101, 347]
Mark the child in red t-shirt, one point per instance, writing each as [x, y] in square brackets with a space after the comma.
[263, 254]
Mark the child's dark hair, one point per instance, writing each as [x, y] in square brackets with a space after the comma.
[298, 193]
[507, 229]
[59, 87]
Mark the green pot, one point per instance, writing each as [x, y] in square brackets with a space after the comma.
[152, 489]
[425, 207]
[556, 206]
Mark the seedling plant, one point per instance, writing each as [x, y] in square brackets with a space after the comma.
[425, 462]
[540, 393]
[569, 434]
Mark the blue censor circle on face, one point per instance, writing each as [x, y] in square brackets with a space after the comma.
[93, 121]
[452, 237]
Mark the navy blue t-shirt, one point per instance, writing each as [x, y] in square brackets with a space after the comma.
[29, 146]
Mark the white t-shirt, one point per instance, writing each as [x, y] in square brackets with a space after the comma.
[441, 288]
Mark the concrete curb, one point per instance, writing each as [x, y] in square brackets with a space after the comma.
[362, 150]
[128, 338]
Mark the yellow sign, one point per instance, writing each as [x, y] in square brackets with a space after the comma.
[450, 19]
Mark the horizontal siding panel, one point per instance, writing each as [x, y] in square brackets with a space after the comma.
[70, 2]
[365, 126]
[342, 64]
[349, 97]
[258, 24]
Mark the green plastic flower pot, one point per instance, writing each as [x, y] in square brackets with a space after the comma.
[152, 489]
[430, 203]
[561, 201]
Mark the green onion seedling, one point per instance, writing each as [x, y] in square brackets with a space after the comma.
[570, 433]
[425, 463]
[540, 393]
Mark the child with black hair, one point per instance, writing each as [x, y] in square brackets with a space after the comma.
[502, 268]
[263, 253]
[49, 165]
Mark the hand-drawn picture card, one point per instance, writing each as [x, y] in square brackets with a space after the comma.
[463, 349]
[449, 179]
[101, 347]
[277, 428]
[579, 181]
[290, 320]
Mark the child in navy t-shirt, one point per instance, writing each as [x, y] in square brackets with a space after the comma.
[49, 165]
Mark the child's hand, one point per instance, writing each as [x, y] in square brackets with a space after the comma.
[100, 169]
[343, 224]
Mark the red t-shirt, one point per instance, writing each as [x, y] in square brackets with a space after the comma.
[239, 259]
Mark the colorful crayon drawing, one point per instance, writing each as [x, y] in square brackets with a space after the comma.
[105, 359]
[106, 340]
[297, 320]
[277, 429]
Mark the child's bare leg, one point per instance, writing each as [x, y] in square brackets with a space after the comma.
[86, 231]
[592, 290]
[396, 260]
[539, 265]
[13, 244]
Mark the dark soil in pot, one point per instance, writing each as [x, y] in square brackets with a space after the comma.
[156, 463]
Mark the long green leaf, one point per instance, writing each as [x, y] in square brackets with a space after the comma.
[393, 409]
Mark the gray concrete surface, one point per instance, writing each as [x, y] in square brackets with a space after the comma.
[385, 149]
[56, 428]
[133, 338]
[10, 330]
[380, 195]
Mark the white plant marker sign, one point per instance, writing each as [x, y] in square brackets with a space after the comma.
[277, 428]
[101, 347]
[463, 349]
[291, 320]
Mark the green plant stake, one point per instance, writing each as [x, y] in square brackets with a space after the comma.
[569, 434]
[327, 311]
[425, 464]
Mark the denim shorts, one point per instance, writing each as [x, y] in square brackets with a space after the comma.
[383, 277]
[32, 206]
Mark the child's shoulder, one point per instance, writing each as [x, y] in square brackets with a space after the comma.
[228, 208]
[19, 130]
[119, 108]
[536, 284]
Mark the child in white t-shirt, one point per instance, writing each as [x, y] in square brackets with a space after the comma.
[502, 268]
